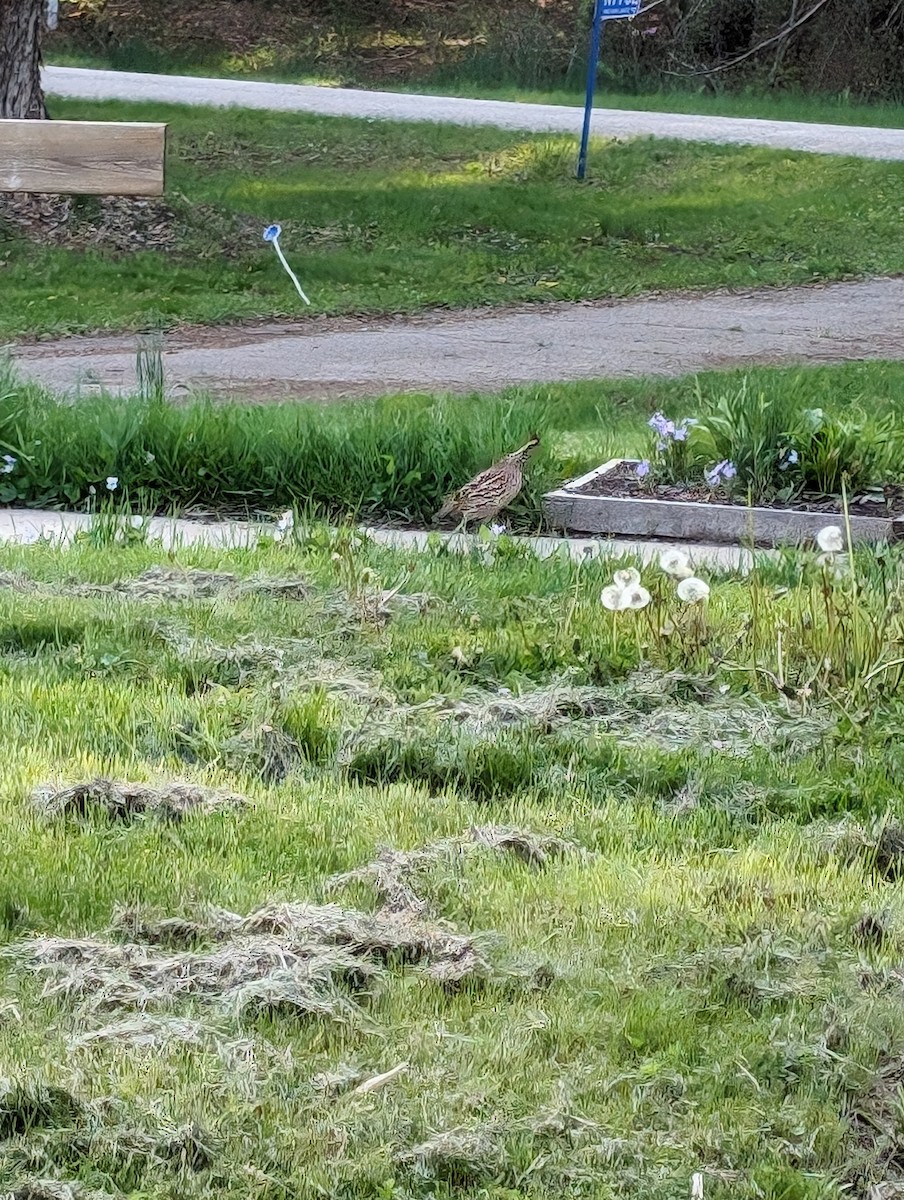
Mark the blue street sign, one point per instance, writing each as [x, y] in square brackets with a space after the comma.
[619, 8]
[604, 10]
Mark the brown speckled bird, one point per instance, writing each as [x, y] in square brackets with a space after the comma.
[491, 491]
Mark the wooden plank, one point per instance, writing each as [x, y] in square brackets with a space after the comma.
[98, 158]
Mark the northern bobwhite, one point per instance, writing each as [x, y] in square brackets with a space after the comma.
[491, 491]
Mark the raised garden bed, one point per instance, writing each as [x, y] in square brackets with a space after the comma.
[612, 500]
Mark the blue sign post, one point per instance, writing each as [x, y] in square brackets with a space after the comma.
[603, 10]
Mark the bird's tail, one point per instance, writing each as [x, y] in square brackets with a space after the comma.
[445, 510]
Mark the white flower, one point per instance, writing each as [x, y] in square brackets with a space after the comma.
[830, 540]
[497, 530]
[637, 596]
[692, 590]
[614, 598]
[112, 483]
[676, 563]
[286, 522]
[627, 579]
[9, 464]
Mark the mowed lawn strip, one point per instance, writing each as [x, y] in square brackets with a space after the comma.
[381, 217]
[645, 923]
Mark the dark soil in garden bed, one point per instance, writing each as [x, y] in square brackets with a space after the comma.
[622, 483]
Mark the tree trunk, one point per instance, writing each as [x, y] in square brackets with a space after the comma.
[21, 94]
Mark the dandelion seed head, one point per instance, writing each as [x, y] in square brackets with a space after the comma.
[676, 563]
[627, 578]
[614, 598]
[637, 597]
[830, 540]
[692, 590]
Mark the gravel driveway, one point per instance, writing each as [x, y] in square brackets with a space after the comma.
[83, 84]
[330, 358]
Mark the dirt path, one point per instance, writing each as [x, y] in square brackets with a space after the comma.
[485, 351]
[862, 142]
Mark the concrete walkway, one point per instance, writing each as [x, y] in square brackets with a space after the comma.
[82, 84]
[486, 351]
[25, 526]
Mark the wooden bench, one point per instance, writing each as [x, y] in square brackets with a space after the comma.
[96, 158]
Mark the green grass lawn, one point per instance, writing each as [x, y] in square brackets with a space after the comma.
[623, 908]
[774, 106]
[384, 217]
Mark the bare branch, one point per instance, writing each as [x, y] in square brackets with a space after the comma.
[782, 35]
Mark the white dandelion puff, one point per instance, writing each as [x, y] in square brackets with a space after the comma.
[676, 563]
[692, 590]
[830, 540]
[614, 598]
[627, 578]
[638, 597]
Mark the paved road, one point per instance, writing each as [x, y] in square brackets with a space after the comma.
[862, 142]
[462, 352]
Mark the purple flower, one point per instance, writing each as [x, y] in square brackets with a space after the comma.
[642, 469]
[721, 473]
[660, 424]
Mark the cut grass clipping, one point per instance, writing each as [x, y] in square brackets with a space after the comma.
[383, 217]
[494, 894]
[390, 460]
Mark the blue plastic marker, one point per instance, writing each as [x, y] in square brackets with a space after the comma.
[271, 234]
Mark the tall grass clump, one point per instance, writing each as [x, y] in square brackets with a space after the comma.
[392, 459]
